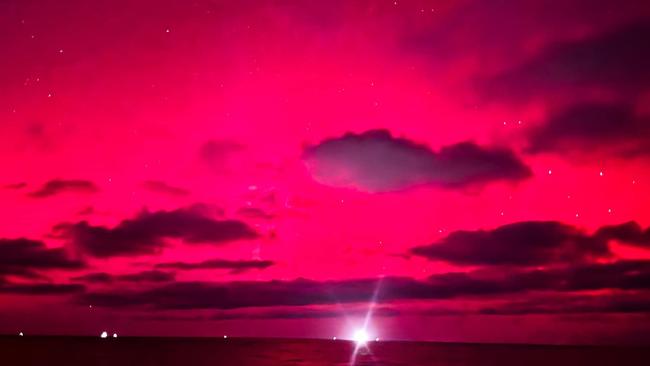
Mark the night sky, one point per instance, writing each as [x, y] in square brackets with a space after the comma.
[463, 170]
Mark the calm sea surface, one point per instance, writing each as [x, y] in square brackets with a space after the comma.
[73, 351]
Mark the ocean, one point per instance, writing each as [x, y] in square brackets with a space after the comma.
[127, 351]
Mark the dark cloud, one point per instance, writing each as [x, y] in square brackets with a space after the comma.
[616, 60]
[58, 186]
[300, 312]
[498, 32]
[25, 257]
[148, 232]
[629, 233]
[375, 161]
[164, 188]
[624, 275]
[254, 213]
[593, 127]
[41, 289]
[97, 277]
[237, 266]
[546, 302]
[86, 211]
[526, 243]
[216, 153]
[20, 272]
[231, 295]
[19, 185]
[145, 276]
[574, 304]
[303, 313]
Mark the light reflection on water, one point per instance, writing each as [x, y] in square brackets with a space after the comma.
[73, 351]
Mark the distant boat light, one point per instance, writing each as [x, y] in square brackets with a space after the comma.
[103, 335]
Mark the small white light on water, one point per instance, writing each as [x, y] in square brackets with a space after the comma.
[103, 335]
[333, 338]
[225, 336]
[114, 335]
[21, 334]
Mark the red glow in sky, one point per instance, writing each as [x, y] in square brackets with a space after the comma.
[260, 168]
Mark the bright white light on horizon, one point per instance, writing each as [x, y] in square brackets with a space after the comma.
[360, 337]
[114, 335]
[103, 335]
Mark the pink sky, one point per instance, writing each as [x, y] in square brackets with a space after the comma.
[307, 149]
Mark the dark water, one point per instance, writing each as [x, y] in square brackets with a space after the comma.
[73, 351]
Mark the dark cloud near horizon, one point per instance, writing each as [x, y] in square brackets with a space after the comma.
[573, 304]
[281, 313]
[623, 275]
[96, 277]
[590, 127]
[40, 289]
[145, 276]
[629, 233]
[57, 186]
[235, 266]
[25, 257]
[165, 188]
[527, 243]
[148, 232]
[375, 161]
[541, 304]
[232, 295]
[616, 60]
[304, 313]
